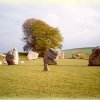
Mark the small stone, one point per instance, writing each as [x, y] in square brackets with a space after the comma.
[46, 67]
[22, 62]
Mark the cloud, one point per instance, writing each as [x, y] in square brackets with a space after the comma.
[79, 23]
[52, 19]
[82, 25]
[49, 1]
[79, 18]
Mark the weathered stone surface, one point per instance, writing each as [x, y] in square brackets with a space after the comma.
[4, 61]
[32, 55]
[79, 55]
[0, 62]
[50, 58]
[3, 58]
[76, 55]
[12, 57]
[94, 59]
[22, 62]
[60, 55]
[46, 67]
[2, 55]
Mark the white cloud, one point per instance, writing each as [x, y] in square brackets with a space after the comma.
[79, 24]
[80, 14]
[52, 19]
[79, 18]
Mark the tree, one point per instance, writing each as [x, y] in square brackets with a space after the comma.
[39, 36]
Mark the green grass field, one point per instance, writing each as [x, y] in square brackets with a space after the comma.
[71, 78]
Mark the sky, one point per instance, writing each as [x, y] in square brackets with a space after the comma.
[77, 20]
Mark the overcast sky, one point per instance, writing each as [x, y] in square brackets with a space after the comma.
[79, 22]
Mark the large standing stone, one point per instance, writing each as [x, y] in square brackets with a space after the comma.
[50, 58]
[94, 59]
[12, 57]
[32, 55]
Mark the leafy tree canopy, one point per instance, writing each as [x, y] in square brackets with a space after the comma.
[39, 36]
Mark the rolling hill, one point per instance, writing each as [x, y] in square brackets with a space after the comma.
[68, 52]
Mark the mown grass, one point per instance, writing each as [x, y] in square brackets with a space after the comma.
[71, 78]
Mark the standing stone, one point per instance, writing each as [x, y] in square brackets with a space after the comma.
[94, 59]
[12, 57]
[60, 55]
[3, 58]
[0, 62]
[73, 56]
[50, 58]
[79, 55]
[46, 67]
[32, 55]
[4, 61]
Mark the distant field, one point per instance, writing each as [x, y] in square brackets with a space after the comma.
[68, 53]
[71, 78]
